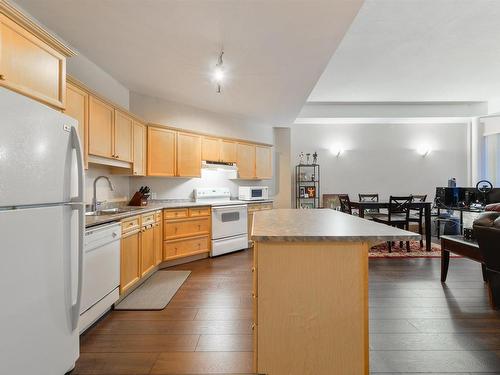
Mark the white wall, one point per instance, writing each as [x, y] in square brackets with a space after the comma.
[282, 168]
[183, 116]
[382, 158]
[179, 115]
[98, 80]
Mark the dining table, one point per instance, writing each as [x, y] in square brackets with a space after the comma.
[373, 205]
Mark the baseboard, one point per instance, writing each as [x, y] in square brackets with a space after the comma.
[176, 262]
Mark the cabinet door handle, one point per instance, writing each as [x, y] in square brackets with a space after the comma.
[2, 77]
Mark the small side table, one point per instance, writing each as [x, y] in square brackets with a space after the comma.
[458, 245]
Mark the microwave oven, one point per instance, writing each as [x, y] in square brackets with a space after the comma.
[253, 193]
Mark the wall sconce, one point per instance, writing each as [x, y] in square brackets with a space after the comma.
[336, 150]
[423, 150]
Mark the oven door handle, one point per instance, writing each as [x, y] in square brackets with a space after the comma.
[236, 207]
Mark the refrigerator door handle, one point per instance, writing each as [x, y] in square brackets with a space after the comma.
[75, 308]
[77, 204]
[75, 143]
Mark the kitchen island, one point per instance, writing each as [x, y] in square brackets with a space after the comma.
[311, 290]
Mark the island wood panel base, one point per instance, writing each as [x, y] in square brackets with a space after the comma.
[311, 307]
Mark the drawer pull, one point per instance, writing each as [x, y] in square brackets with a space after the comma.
[253, 326]
[253, 269]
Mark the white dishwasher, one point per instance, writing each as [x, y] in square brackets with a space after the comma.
[101, 272]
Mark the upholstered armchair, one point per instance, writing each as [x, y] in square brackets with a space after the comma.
[487, 232]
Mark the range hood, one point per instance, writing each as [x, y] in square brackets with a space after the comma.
[219, 165]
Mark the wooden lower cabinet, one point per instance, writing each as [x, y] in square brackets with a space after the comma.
[186, 232]
[141, 247]
[311, 305]
[158, 238]
[253, 207]
[130, 271]
[187, 228]
[186, 247]
[147, 249]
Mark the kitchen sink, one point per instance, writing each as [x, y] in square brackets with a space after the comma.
[111, 211]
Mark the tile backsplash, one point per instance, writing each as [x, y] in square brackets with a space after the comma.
[162, 187]
[182, 188]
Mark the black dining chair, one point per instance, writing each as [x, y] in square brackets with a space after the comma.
[345, 203]
[398, 216]
[371, 213]
[417, 215]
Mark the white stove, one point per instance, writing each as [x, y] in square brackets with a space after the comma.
[229, 220]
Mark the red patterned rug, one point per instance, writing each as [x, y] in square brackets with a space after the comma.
[381, 251]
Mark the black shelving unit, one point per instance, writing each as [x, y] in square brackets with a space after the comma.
[307, 184]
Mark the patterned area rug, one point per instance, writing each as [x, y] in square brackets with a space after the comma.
[381, 251]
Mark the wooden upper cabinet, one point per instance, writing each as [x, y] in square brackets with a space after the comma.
[188, 155]
[77, 106]
[228, 151]
[101, 124]
[263, 162]
[246, 160]
[161, 152]
[30, 66]
[139, 167]
[210, 149]
[123, 137]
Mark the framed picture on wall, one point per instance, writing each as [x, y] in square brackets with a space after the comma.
[331, 201]
[311, 191]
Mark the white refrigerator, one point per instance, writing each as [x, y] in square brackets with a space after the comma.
[41, 237]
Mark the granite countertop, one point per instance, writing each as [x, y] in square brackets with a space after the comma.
[322, 225]
[91, 221]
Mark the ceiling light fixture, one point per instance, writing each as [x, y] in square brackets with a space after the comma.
[219, 73]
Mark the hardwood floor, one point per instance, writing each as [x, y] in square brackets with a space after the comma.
[416, 324]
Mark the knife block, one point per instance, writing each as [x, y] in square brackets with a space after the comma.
[139, 199]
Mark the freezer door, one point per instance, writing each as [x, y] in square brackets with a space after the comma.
[39, 289]
[37, 153]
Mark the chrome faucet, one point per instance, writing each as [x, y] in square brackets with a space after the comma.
[94, 198]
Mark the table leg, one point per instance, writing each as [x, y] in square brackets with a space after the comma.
[461, 222]
[361, 211]
[485, 274]
[445, 262]
[427, 213]
[438, 223]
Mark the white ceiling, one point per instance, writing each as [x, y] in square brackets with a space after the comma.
[417, 50]
[275, 50]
